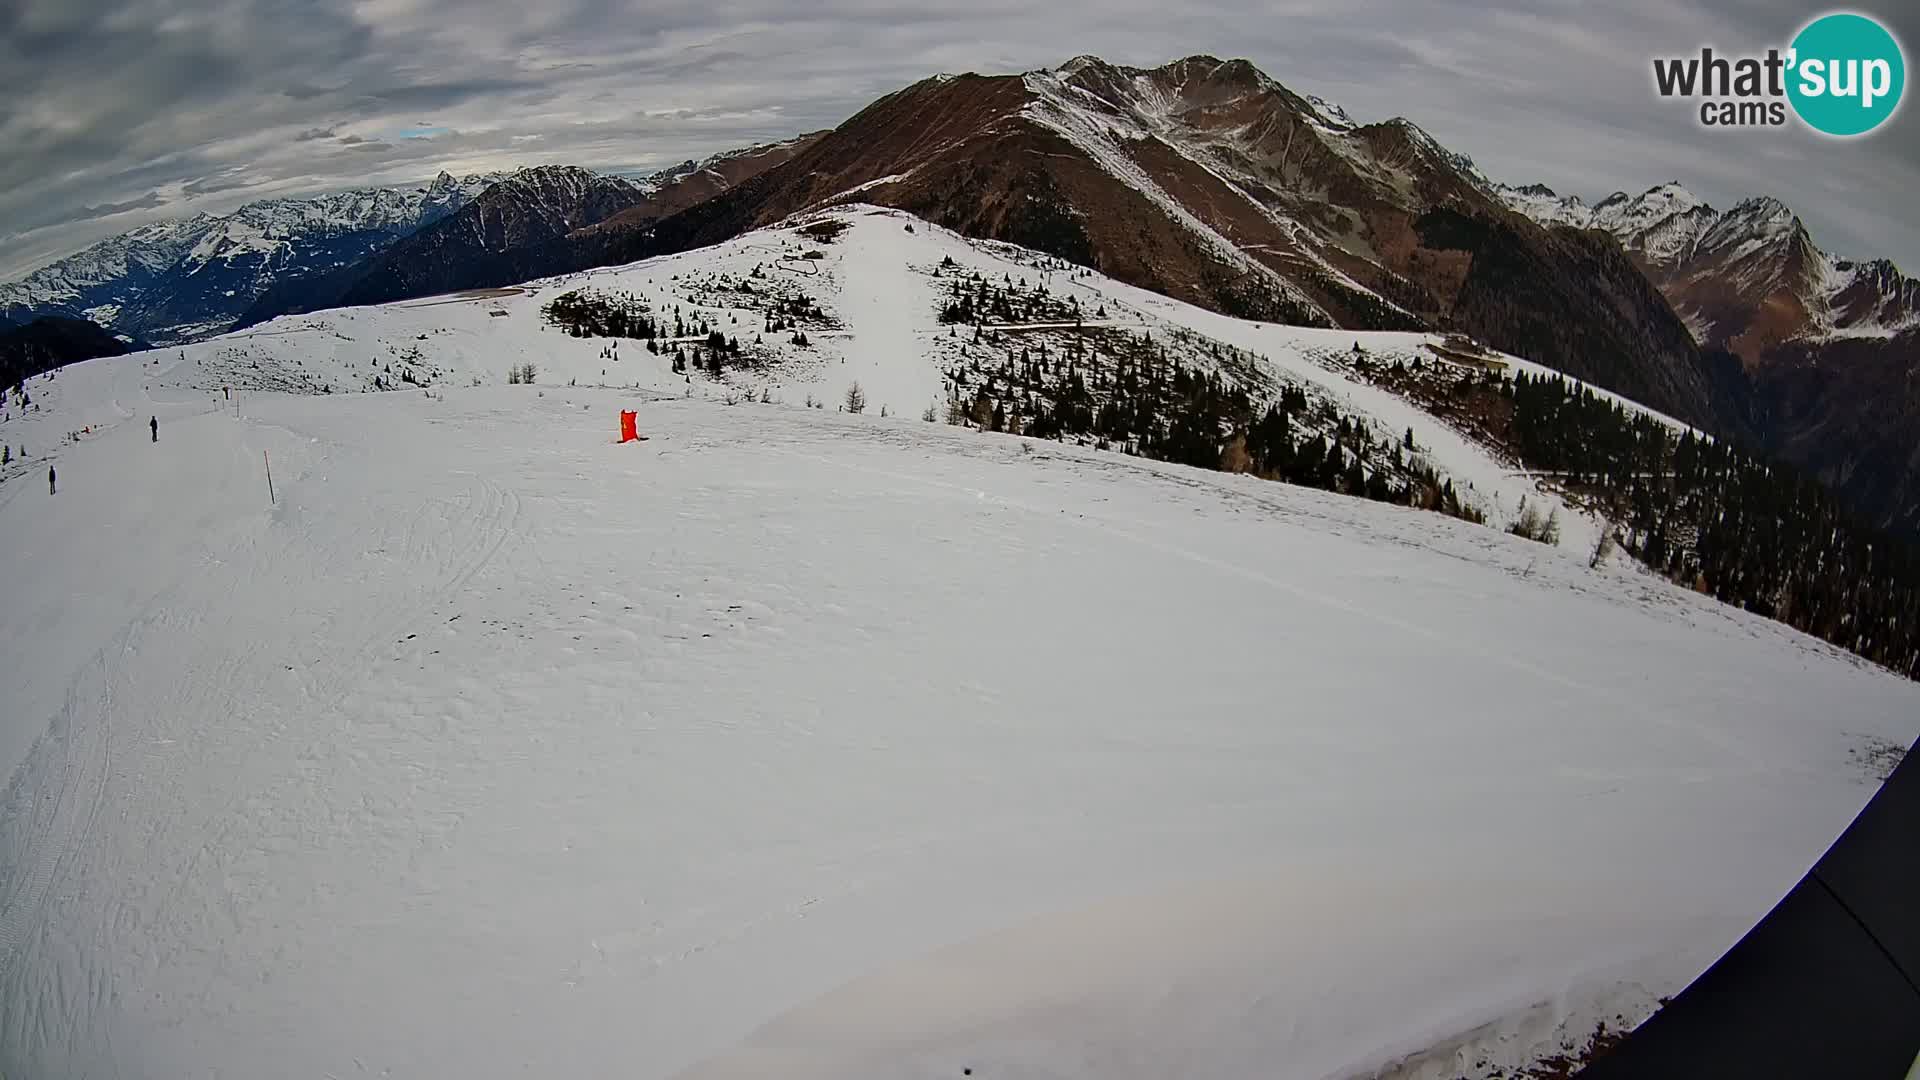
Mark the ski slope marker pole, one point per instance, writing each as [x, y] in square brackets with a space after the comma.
[269, 464]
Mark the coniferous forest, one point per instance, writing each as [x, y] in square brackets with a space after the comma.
[1744, 530]
[1117, 391]
[1035, 363]
[1702, 512]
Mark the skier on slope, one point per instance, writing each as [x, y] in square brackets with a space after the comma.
[50, 488]
[154, 423]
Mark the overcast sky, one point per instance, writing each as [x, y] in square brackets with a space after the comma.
[113, 114]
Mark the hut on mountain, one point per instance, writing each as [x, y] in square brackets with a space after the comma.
[1463, 351]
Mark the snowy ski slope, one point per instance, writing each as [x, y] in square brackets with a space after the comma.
[795, 743]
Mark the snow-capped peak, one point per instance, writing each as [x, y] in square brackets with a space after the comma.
[1426, 143]
[1622, 214]
[1083, 62]
[1751, 226]
[1544, 205]
[1330, 114]
[1661, 224]
[565, 190]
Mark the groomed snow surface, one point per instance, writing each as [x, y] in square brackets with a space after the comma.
[795, 743]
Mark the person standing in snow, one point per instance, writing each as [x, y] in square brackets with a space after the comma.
[154, 423]
[50, 488]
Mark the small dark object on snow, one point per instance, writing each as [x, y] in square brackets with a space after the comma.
[154, 423]
[50, 488]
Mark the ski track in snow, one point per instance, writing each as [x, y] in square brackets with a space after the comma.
[889, 310]
[801, 743]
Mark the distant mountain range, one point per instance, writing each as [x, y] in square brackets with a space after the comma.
[455, 248]
[1202, 179]
[501, 236]
[489, 242]
[193, 277]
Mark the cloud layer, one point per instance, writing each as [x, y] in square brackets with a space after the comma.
[120, 113]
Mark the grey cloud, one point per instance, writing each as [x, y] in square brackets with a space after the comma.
[230, 180]
[409, 96]
[110, 99]
[148, 201]
[304, 91]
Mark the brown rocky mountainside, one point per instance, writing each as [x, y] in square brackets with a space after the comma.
[694, 182]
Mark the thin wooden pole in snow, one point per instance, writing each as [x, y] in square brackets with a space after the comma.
[269, 464]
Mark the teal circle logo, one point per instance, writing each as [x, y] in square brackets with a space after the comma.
[1847, 74]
